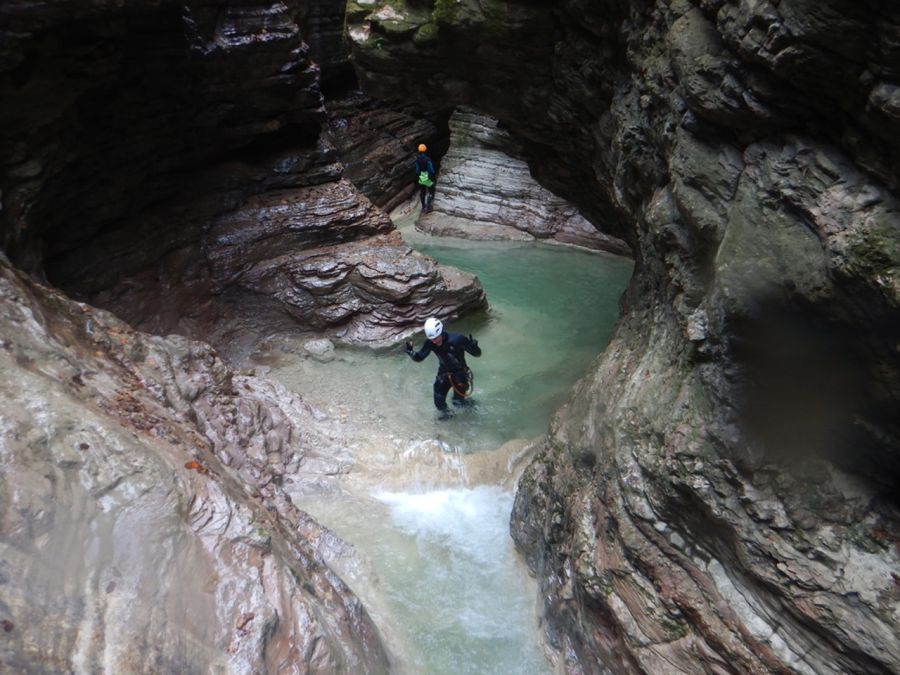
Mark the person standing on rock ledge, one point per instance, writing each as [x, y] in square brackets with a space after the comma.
[453, 373]
[425, 178]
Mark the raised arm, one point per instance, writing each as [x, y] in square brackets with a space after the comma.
[418, 355]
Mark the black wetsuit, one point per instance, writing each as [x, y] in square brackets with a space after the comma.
[452, 357]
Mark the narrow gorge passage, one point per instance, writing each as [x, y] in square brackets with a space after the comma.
[186, 184]
[427, 502]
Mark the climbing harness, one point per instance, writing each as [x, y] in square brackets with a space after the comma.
[469, 384]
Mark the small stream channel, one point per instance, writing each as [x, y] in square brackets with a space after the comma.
[427, 502]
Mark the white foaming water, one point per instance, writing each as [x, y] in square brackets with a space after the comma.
[473, 524]
[464, 562]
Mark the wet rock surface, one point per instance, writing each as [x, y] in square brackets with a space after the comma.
[178, 164]
[146, 524]
[375, 140]
[321, 260]
[158, 155]
[719, 494]
[485, 191]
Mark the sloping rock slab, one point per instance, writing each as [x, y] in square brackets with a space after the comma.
[441, 225]
[144, 526]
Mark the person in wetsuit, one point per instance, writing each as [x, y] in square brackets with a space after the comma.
[453, 373]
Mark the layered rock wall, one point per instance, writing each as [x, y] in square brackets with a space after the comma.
[486, 192]
[719, 494]
[375, 141]
[174, 162]
[155, 155]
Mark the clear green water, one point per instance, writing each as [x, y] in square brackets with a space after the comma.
[552, 310]
[446, 586]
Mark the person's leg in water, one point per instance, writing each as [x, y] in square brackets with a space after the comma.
[422, 192]
[430, 204]
[441, 387]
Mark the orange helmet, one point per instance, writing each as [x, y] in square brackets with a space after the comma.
[422, 147]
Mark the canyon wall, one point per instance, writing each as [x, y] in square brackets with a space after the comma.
[145, 521]
[487, 192]
[178, 164]
[719, 494]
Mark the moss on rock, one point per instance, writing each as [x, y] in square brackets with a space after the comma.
[426, 35]
[445, 11]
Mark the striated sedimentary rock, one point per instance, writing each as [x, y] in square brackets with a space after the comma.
[320, 258]
[486, 192]
[374, 289]
[145, 522]
[176, 163]
[324, 28]
[156, 154]
[719, 495]
[377, 141]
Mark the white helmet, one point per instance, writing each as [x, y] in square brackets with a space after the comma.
[433, 328]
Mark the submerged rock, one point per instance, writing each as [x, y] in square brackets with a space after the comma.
[320, 350]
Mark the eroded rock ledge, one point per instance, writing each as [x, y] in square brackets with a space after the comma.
[158, 158]
[720, 493]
